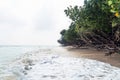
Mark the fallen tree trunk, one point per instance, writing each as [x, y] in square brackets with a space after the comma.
[101, 41]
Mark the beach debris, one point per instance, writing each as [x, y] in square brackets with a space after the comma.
[109, 53]
[28, 61]
[27, 67]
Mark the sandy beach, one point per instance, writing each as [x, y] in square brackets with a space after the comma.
[114, 59]
[61, 63]
[89, 53]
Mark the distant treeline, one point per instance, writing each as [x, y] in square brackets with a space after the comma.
[95, 24]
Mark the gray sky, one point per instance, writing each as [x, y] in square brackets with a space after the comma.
[33, 22]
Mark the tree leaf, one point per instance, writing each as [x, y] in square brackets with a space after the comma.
[113, 11]
[110, 2]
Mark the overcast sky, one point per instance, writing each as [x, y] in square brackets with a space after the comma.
[33, 22]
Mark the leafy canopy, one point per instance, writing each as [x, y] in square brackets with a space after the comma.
[94, 15]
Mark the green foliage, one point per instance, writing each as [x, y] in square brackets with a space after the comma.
[63, 32]
[94, 15]
[70, 35]
[114, 5]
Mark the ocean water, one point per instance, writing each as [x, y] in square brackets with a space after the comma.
[9, 54]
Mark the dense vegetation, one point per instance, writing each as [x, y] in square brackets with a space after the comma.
[95, 24]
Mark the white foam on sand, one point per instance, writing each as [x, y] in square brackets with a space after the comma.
[41, 65]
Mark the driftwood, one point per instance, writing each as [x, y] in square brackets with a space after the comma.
[101, 41]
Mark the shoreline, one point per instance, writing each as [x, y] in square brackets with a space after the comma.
[52, 65]
[59, 63]
[94, 54]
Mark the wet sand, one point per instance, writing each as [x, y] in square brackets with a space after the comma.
[114, 59]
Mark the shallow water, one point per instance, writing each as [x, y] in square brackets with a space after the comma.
[9, 54]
